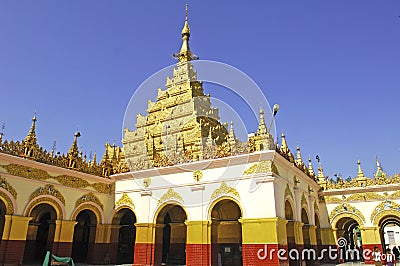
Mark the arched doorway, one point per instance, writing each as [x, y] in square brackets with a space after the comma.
[308, 257]
[2, 218]
[349, 229]
[84, 236]
[124, 236]
[291, 240]
[170, 238]
[40, 235]
[226, 234]
[389, 228]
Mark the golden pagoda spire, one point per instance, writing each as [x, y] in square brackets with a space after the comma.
[379, 171]
[299, 160]
[310, 168]
[284, 146]
[94, 162]
[262, 128]
[73, 153]
[30, 145]
[360, 173]
[185, 54]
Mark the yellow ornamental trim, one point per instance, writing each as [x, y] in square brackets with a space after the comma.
[170, 194]
[5, 185]
[332, 199]
[224, 189]
[387, 207]
[90, 197]
[346, 208]
[124, 200]
[262, 167]
[66, 180]
[47, 190]
[365, 196]
[8, 203]
[288, 192]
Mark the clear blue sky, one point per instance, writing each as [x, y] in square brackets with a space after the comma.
[333, 66]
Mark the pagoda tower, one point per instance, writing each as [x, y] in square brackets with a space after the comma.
[178, 123]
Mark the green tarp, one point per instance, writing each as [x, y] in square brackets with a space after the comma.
[46, 261]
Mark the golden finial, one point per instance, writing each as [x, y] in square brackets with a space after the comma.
[185, 54]
[379, 172]
[310, 167]
[30, 145]
[321, 176]
[94, 162]
[284, 146]
[360, 173]
[187, 12]
[299, 160]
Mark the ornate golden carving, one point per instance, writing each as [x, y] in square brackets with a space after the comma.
[5, 185]
[102, 187]
[332, 199]
[90, 197]
[8, 203]
[47, 190]
[124, 200]
[365, 182]
[224, 189]
[74, 159]
[384, 208]
[170, 194]
[364, 196]
[69, 181]
[345, 208]
[262, 167]
[45, 200]
[288, 192]
[197, 175]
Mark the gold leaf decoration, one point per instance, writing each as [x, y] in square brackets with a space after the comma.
[102, 187]
[365, 196]
[197, 175]
[90, 197]
[124, 200]
[170, 194]
[27, 172]
[8, 201]
[345, 208]
[73, 182]
[69, 181]
[5, 185]
[224, 189]
[386, 207]
[332, 199]
[47, 190]
[262, 167]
